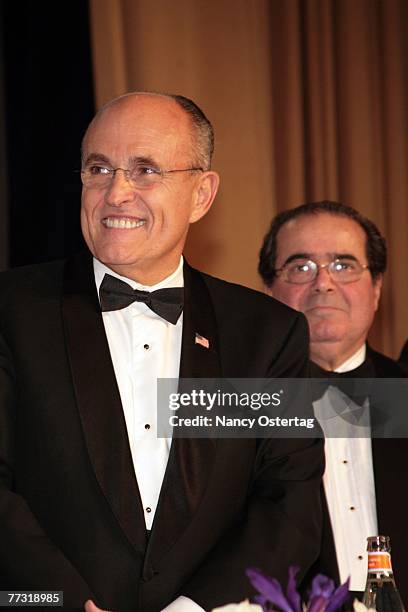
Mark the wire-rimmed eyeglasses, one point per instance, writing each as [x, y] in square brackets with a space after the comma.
[341, 270]
[98, 176]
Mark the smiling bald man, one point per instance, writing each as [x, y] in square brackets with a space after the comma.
[92, 502]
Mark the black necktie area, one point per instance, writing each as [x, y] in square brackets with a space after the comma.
[355, 383]
[115, 294]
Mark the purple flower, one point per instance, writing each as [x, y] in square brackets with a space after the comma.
[291, 593]
[270, 591]
[322, 586]
[323, 596]
[322, 589]
[339, 596]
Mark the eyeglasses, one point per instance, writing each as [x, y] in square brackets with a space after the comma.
[96, 176]
[303, 271]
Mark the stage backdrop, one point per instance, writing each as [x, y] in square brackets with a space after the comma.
[309, 102]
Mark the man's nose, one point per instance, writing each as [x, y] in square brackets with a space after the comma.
[323, 281]
[121, 190]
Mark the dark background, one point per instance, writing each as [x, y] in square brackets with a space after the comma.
[47, 100]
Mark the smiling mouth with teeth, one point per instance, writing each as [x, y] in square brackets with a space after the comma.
[114, 223]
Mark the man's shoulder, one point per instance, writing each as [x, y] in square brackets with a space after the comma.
[240, 299]
[384, 366]
[258, 336]
[34, 277]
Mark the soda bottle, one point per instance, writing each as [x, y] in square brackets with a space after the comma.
[381, 592]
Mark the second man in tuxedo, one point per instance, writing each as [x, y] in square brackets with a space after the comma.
[327, 261]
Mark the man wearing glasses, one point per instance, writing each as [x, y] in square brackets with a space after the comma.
[92, 501]
[327, 261]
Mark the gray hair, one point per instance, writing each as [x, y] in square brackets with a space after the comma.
[202, 134]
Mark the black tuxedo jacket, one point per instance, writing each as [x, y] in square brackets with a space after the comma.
[71, 517]
[390, 457]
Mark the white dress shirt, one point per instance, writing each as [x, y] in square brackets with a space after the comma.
[143, 348]
[349, 486]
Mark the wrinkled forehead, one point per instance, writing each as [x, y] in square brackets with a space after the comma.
[139, 125]
[320, 236]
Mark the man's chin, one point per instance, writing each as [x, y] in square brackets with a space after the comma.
[114, 257]
[325, 333]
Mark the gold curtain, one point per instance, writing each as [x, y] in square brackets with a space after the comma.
[309, 102]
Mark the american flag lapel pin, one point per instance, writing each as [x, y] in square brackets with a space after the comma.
[201, 340]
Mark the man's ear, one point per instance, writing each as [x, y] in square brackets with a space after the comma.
[377, 284]
[205, 192]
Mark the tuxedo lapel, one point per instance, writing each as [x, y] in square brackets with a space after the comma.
[98, 398]
[197, 361]
[191, 460]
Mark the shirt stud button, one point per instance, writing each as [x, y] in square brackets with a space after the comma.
[148, 509]
[352, 508]
[345, 461]
[147, 426]
[360, 557]
[146, 347]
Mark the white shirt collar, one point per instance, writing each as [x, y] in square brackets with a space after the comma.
[176, 278]
[354, 361]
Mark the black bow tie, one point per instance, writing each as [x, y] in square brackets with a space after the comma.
[365, 370]
[356, 384]
[114, 294]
